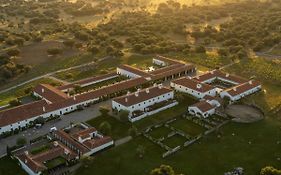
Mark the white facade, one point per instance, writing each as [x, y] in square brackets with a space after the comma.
[141, 106]
[193, 92]
[159, 62]
[27, 169]
[126, 73]
[239, 96]
[46, 115]
[193, 110]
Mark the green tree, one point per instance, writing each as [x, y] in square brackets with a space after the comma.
[163, 170]
[269, 170]
[54, 51]
[123, 115]
[105, 128]
[21, 141]
[14, 102]
[133, 131]
[13, 52]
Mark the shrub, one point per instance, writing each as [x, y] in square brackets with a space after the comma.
[105, 128]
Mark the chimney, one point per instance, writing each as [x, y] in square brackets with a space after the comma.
[147, 90]
[189, 77]
[235, 89]
[44, 109]
[212, 72]
[56, 143]
[199, 86]
[128, 93]
[126, 100]
[227, 75]
[139, 89]
[251, 82]
[74, 98]
[154, 85]
[43, 90]
[160, 86]
[136, 94]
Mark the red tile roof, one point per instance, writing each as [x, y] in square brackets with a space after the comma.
[220, 74]
[22, 112]
[50, 93]
[96, 142]
[143, 95]
[241, 88]
[134, 70]
[87, 80]
[203, 106]
[193, 84]
[84, 133]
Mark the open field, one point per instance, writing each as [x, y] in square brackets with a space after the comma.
[36, 53]
[160, 132]
[175, 141]
[239, 145]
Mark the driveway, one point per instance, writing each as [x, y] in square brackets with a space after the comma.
[32, 133]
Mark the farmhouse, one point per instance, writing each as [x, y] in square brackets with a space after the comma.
[55, 102]
[237, 92]
[202, 109]
[39, 163]
[142, 100]
[193, 87]
[83, 140]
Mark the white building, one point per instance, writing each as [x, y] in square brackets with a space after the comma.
[193, 87]
[142, 99]
[202, 109]
[132, 72]
[241, 90]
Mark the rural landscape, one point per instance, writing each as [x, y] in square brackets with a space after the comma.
[140, 87]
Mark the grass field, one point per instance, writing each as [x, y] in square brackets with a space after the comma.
[188, 127]
[160, 132]
[118, 129]
[174, 141]
[211, 155]
[10, 167]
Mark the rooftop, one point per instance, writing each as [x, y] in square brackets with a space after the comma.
[193, 84]
[142, 95]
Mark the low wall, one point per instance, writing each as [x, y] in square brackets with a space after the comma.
[153, 112]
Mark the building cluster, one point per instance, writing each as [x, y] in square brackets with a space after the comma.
[213, 86]
[75, 141]
[56, 101]
[70, 144]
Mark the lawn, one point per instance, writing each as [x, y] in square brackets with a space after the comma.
[174, 141]
[188, 127]
[211, 156]
[10, 167]
[160, 132]
[118, 129]
[40, 149]
[55, 162]
[184, 101]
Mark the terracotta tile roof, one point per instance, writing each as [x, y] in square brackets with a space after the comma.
[96, 142]
[36, 162]
[87, 80]
[193, 84]
[143, 95]
[242, 88]
[84, 133]
[22, 112]
[50, 93]
[165, 69]
[203, 106]
[33, 165]
[134, 70]
[112, 89]
[71, 141]
[176, 70]
[219, 74]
